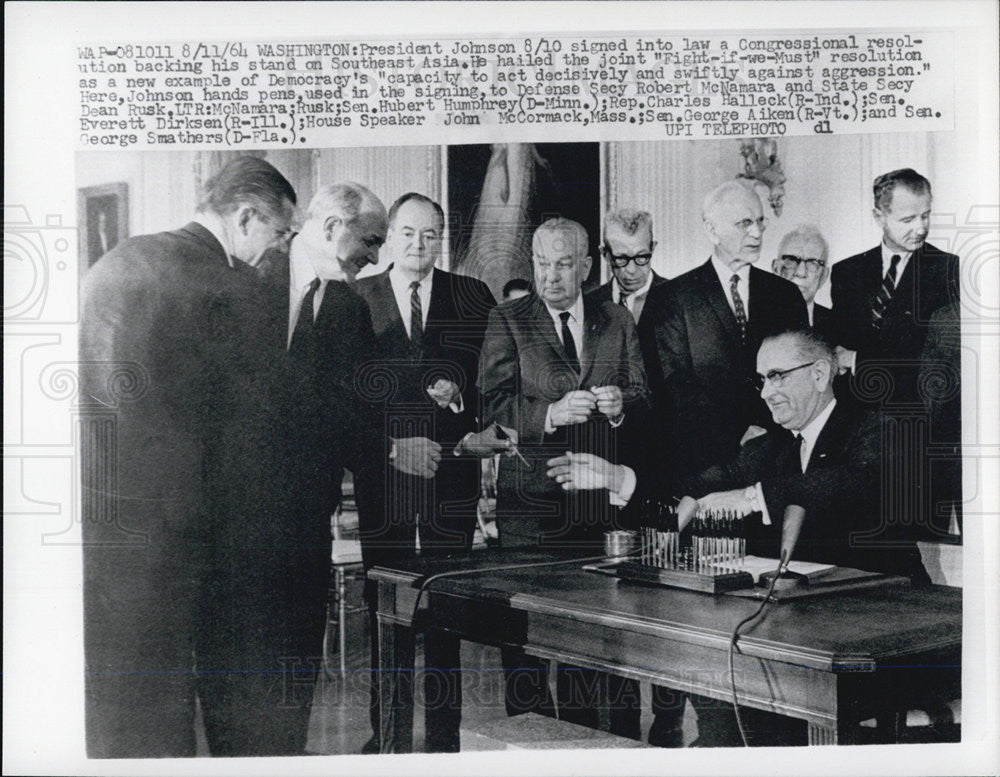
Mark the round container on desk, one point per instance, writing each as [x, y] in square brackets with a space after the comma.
[621, 543]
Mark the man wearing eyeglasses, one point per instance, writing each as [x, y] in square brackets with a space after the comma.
[703, 328]
[822, 455]
[802, 259]
[628, 248]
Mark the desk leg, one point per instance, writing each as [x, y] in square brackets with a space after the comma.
[395, 683]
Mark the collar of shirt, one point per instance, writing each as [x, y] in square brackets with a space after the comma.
[811, 431]
[401, 291]
[213, 225]
[300, 275]
[633, 296]
[575, 322]
[887, 254]
[725, 278]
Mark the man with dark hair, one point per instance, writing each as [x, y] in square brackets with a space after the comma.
[175, 370]
[822, 455]
[883, 302]
[429, 327]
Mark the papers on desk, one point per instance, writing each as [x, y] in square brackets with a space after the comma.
[756, 566]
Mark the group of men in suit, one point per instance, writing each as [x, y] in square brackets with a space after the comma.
[268, 368]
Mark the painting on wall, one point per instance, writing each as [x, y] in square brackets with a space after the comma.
[102, 215]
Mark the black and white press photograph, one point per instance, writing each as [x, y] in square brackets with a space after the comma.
[519, 447]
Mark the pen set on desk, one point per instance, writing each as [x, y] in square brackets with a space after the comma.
[717, 539]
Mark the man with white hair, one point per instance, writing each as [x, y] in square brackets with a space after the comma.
[802, 259]
[706, 325]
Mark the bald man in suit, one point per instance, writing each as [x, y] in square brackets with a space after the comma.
[565, 372]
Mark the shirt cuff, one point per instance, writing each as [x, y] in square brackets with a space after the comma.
[617, 420]
[765, 517]
[458, 406]
[854, 362]
[620, 497]
[549, 426]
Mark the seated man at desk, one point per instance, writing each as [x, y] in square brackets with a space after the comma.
[826, 459]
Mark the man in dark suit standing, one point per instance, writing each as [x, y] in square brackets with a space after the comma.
[883, 301]
[823, 455]
[802, 259]
[429, 327]
[325, 332]
[628, 247]
[565, 373]
[177, 459]
[704, 327]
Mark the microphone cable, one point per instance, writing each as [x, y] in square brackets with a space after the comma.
[733, 647]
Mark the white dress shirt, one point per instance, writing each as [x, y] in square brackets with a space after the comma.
[725, 278]
[401, 291]
[636, 299]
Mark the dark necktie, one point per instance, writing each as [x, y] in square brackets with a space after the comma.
[884, 296]
[302, 336]
[623, 299]
[416, 315]
[795, 463]
[568, 343]
[741, 313]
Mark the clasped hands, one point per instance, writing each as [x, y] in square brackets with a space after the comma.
[576, 406]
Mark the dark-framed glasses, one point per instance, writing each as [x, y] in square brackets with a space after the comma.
[619, 261]
[777, 377]
[791, 262]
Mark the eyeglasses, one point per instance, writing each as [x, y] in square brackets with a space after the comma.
[619, 262]
[777, 377]
[745, 224]
[791, 263]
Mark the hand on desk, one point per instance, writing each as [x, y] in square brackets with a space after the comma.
[416, 456]
[584, 471]
[574, 408]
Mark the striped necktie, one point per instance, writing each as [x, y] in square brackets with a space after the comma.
[884, 296]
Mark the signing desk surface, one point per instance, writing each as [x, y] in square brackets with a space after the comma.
[832, 660]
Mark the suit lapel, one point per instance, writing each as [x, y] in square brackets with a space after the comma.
[715, 298]
[594, 322]
[830, 439]
[385, 312]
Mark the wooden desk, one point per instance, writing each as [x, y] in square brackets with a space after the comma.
[832, 661]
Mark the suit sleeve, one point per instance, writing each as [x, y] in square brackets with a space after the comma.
[504, 399]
